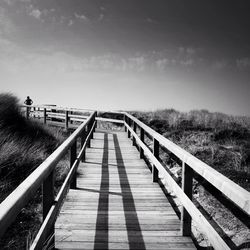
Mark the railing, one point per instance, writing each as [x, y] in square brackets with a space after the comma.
[232, 196]
[54, 115]
[43, 176]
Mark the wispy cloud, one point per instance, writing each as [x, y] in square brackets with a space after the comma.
[11, 2]
[243, 63]
[6, 24]
[35, 13]
[101, 17]
[81, 17]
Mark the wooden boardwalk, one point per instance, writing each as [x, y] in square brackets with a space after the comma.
[116, 205]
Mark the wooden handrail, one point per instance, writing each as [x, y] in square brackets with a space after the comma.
[230, 189]
[239, 197]
[191, 165]
[211, 233]
[12, 205]
[51, 216]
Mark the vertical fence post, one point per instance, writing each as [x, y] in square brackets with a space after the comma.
[44, 115]
[134, 128]
[92, 123]
[27, 112]
[155, 172]
[83, 138]
[88, 130]
[125, 121]
[48, 200]
[187, 187]
[66, 119]
[142, 139]
[71, 121]
[72, 160]
[129, 122]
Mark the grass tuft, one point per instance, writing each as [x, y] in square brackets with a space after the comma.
[24, 145]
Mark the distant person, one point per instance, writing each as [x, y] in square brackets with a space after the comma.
[28, 101]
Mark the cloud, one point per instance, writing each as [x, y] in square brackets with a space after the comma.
[12, 2]
[161, 64]
[220, 64]
[36, 13]
[243, 63]
[101, 17]
[70, 23]
[6, 24]
[150, 20]
[81, 17]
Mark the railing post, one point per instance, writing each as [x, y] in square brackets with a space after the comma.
[48, 200]
[129, 122]
[72, 160]
[187, 187]
[88, 130]
[44, 115]
[134, 128]
[27, 112]
[91, 124]
[66, 119]
[155, 172]
[142, 139]
[83, 138]
[71, 122]
[125, 121]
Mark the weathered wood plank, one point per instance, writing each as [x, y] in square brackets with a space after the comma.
[116, 205]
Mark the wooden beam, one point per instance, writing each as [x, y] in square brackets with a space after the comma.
[155, 172]
[109, 120]
[72, 161]
[66, 120]
[142, 139]
[48, 200]
[44, 115]
[11, 206]
[134, 128]
[230, 189]
[213, 236]
[187, 187]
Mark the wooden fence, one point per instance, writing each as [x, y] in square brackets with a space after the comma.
[231, 195]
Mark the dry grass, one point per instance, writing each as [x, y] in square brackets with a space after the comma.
[24, 145]
[223, 142]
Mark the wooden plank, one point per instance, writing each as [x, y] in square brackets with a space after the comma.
[109, 120]
[127, 197]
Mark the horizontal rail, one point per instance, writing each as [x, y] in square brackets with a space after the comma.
[109, 120]
[55, 115]
[197, 216]
[12, 205]
[230, 189]
[238, 199]
[49, 107]
[52, 214]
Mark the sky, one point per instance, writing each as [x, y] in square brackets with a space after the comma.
[128, 54]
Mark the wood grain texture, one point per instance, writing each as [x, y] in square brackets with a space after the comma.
[116, 205]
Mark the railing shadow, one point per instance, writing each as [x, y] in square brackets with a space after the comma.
[102, 227]
[131, 218]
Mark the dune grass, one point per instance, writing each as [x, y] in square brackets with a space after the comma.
[220, 140]
[24, 145]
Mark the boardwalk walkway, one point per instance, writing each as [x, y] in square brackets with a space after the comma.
[116, 205]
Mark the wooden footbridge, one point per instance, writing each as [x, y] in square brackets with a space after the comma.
[117, 192]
